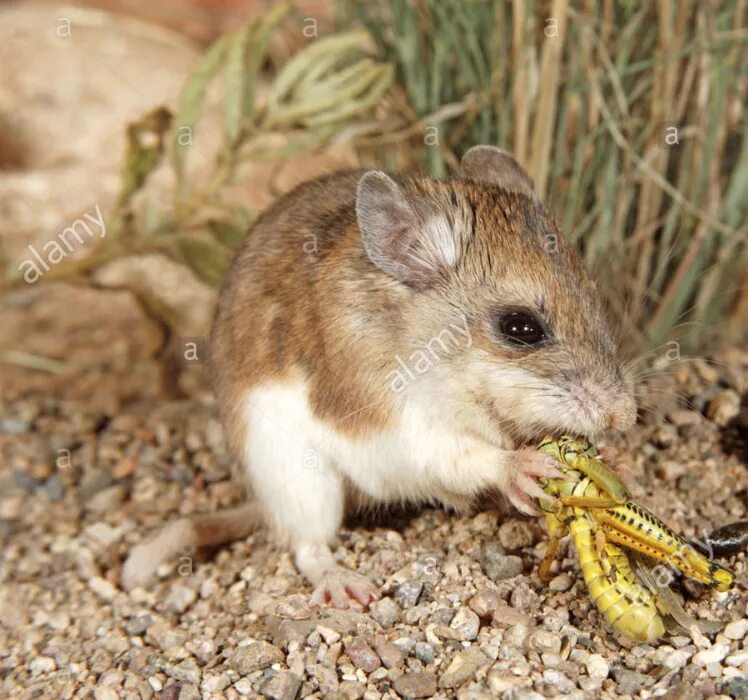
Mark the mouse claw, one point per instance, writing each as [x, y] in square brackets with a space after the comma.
[344, 589]
[526, 466]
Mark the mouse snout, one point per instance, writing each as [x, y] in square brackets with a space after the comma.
[603, 410]
[622, 413]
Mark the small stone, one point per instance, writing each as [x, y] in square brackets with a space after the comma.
[516, 534]
[597, 666]
[11, 508]
[424, 652]
[628, 682]
[102, 588]
[499, 566]
[737, 629]
[328, 634]
[390, 654]
[485, 602]
[463, 667]
[283, 685]
[105, 693]
[285, 632]
[179, 598]
[467, 623]
[124, 468]
[362, 655]
[561, 583]
[407, 593]
[738, 658]
[243, 686]
[665, 436]
[421, 684]
[386, 612]
[723, 407]
[54, 488]
[103, 533]
[677, 659]
[682, 691]
[711, 655]
[41, 665]
[106, 500]
[542, 641]
[508, 616]
[256, 656]
[186, 670]
[736, 688]
[558, 682]
[683, 417]
[212, 684]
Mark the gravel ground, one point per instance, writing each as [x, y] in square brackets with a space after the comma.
[464, 614]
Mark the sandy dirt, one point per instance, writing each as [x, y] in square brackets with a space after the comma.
[463, 614]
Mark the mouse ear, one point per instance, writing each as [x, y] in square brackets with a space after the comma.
[411, 248]
[496, 167]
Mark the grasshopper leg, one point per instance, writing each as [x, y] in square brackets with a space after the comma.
[588, 501]
[557, 531]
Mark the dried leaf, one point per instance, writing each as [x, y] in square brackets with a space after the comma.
[145, 146]
[191, 101]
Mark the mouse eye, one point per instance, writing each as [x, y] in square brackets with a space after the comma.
[520, 328]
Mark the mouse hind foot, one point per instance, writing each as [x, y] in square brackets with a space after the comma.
[333, 584]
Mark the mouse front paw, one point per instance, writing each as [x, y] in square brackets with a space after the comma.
[525, 466]
[342, 588]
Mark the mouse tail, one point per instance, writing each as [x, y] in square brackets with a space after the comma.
[184, 537]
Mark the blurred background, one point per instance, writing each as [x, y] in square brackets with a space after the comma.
[138, 140]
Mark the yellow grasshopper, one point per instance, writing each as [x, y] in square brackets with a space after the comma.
[595, 507]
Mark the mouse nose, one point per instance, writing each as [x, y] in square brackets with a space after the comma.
[623, 414]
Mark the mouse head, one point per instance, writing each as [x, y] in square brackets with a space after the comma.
[500, 318]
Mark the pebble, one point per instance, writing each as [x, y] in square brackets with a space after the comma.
[179, 598]
[424, 652]
[736, 629]
[106, 500]
[597, 666]
[628, 682]
[711, 655]
[283, 685]
[541, 641]
[485, 602]
[724, 407]
[561, 583]
[516, 534]
[420, 684]
[41, 665]
[362, 655]
[738, 658]
[499, 566]
[390, 654]
[682, 691]
[684, 418]
[677, 659]
[737, 688]
[407, 593]
[214, 683]
[467, 623]
[255, 656]
[508, 616]
[463, 667]
[386, 612]
[102, 588]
